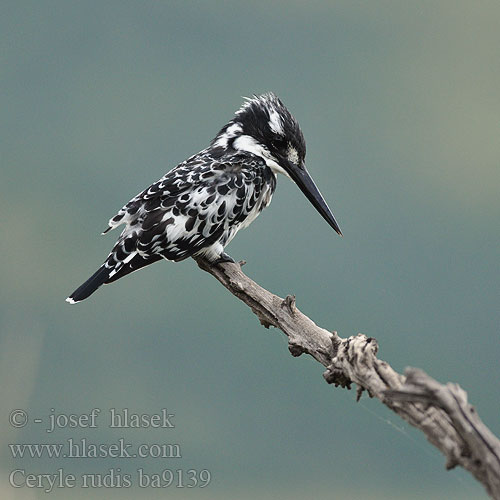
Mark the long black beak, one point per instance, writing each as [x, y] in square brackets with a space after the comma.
[302, 178]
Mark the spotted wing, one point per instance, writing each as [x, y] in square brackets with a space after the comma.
[195, 205]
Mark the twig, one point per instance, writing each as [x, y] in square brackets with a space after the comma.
[441, 412]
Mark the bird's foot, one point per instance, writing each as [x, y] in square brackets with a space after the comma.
[224, 257]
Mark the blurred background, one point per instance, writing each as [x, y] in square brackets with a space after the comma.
[399, 103]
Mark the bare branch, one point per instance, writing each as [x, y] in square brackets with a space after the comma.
[441, 412]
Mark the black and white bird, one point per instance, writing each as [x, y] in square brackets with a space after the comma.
[197, 208]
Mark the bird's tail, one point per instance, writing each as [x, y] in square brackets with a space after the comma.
[90, 286]
[113, 269]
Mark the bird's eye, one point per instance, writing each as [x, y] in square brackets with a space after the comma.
[279, 144]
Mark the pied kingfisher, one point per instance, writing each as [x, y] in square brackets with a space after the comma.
[197, 208]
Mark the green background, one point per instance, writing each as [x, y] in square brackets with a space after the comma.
[399, 103]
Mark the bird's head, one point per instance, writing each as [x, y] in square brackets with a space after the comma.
[264, 126]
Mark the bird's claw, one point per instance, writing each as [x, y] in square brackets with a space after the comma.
[224, 257]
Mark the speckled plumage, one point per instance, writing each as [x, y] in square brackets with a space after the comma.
[198, 207]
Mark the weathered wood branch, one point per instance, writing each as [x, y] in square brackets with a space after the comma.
[441, 412]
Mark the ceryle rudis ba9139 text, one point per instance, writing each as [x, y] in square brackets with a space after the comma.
[197, 208]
